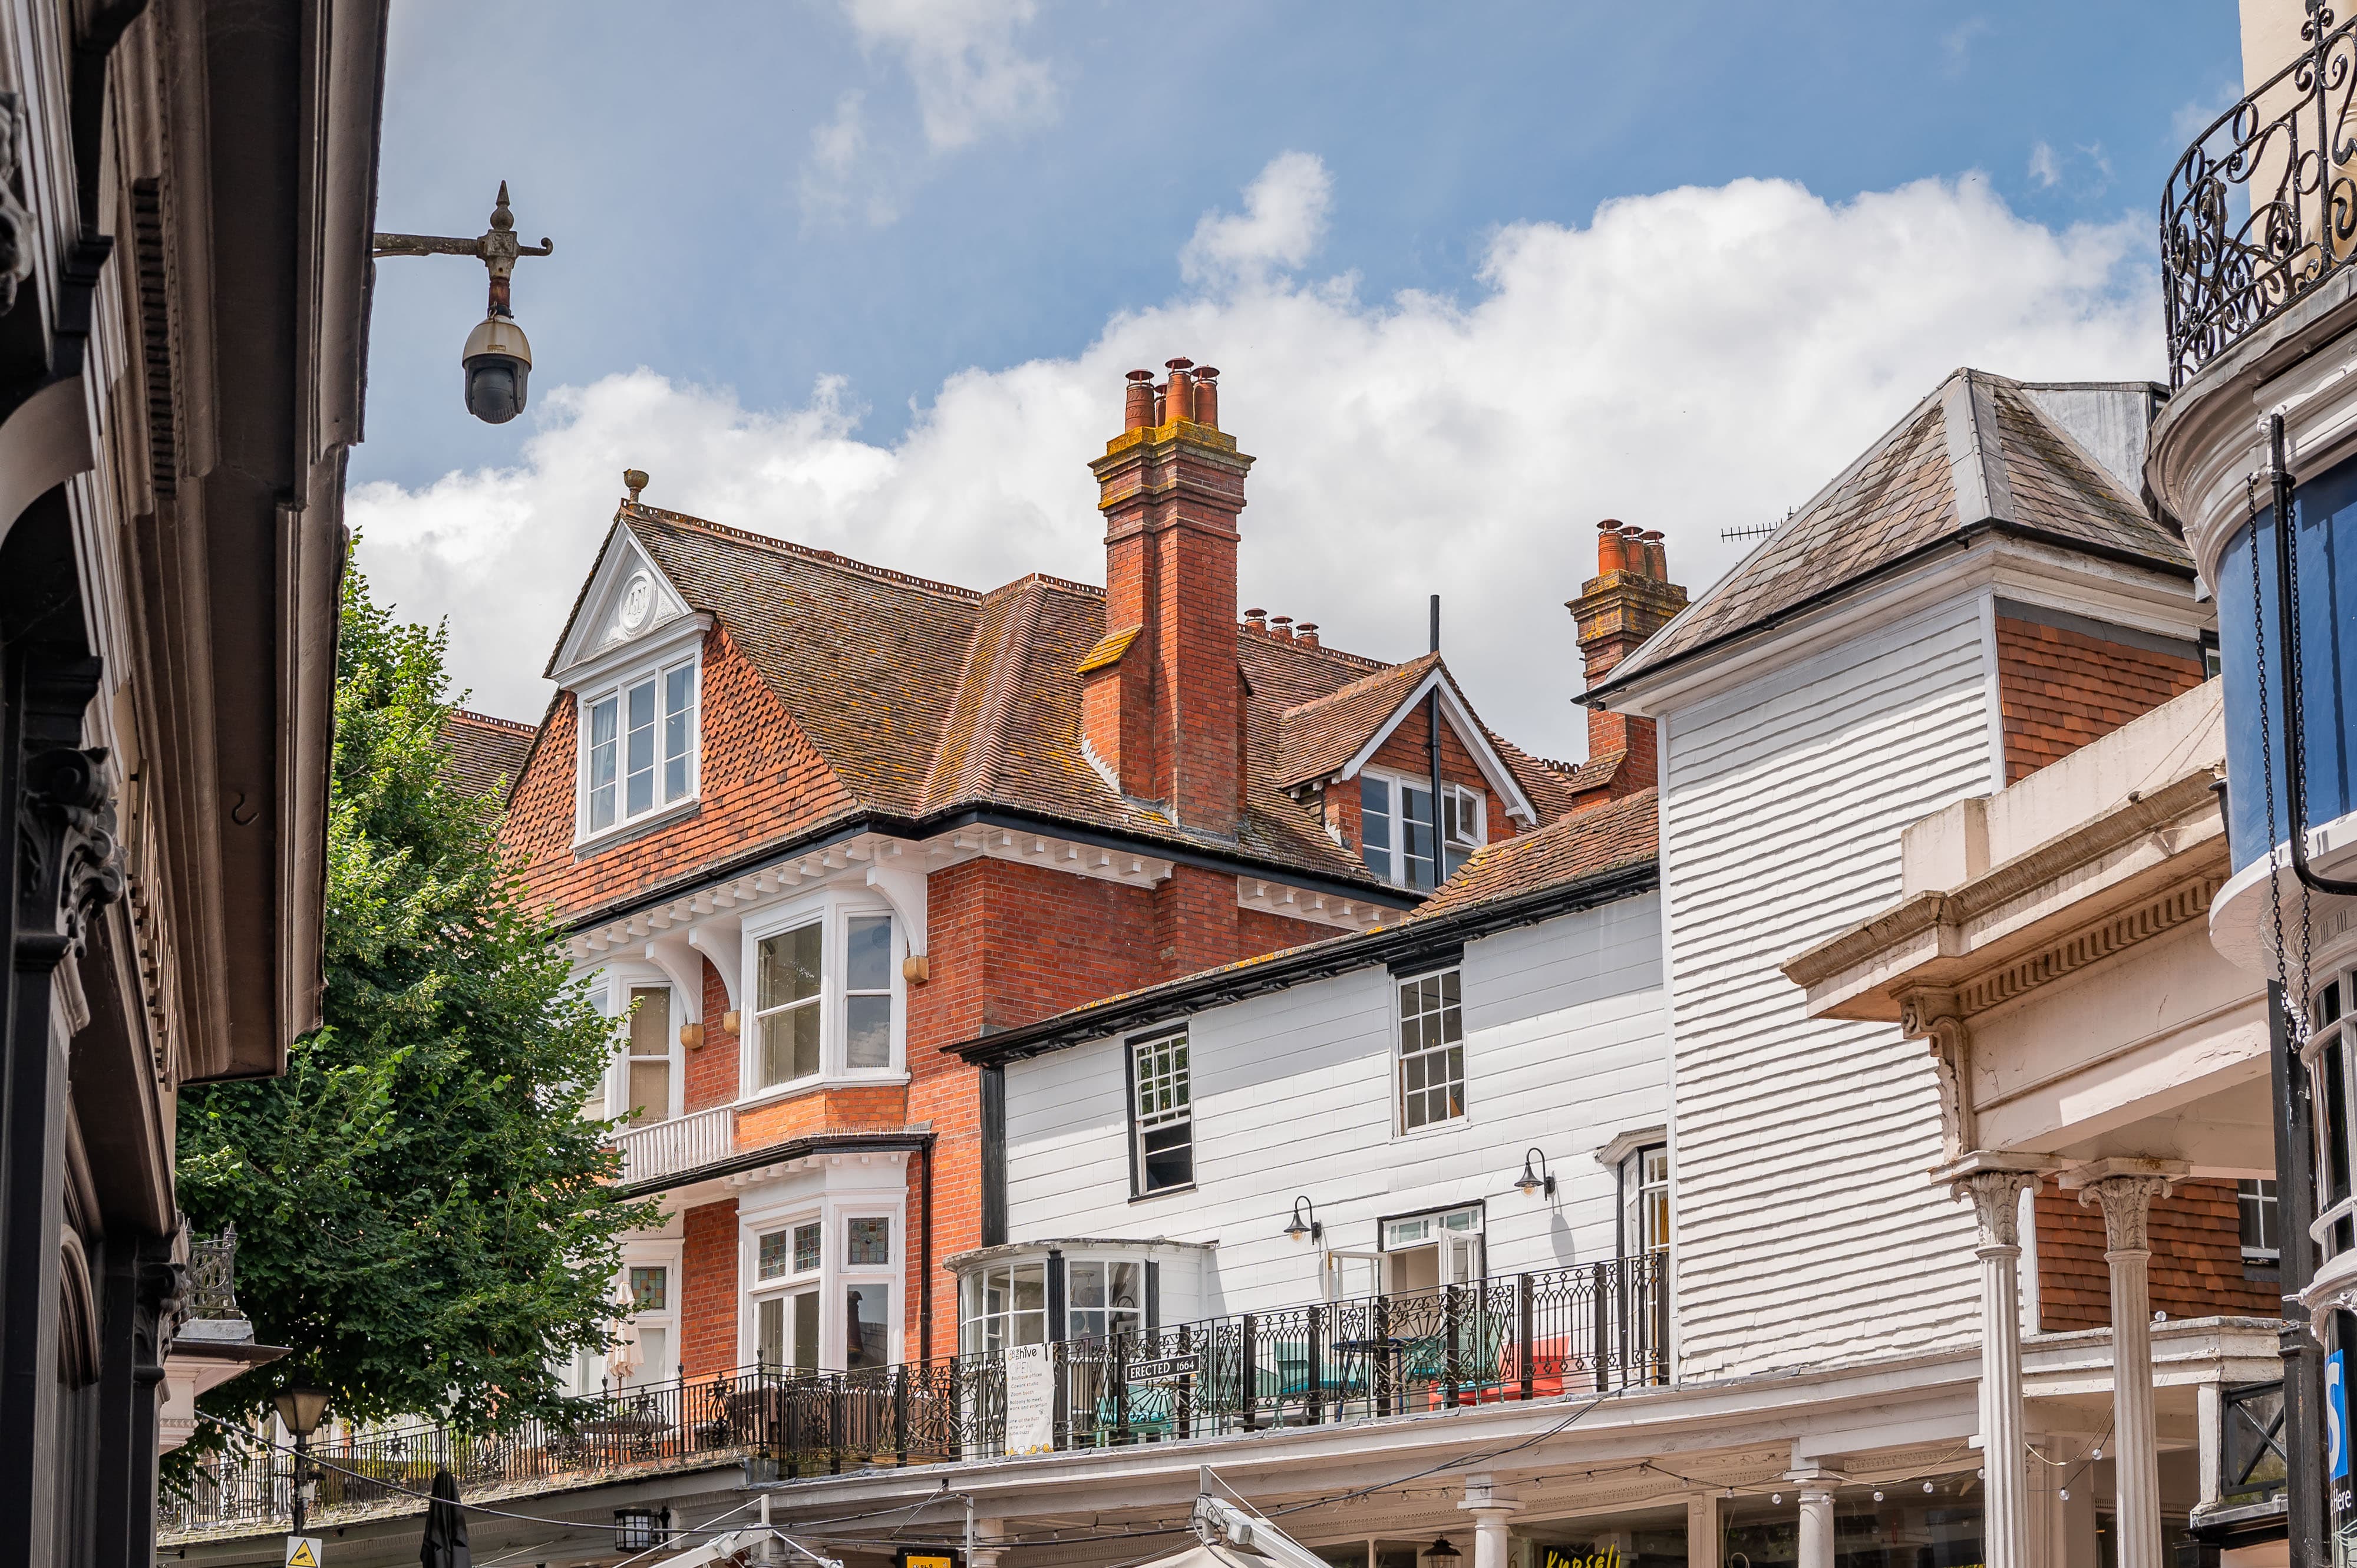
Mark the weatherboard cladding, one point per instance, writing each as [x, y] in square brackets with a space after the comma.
[1804, 1218]
[1977, 451]
[887, 695]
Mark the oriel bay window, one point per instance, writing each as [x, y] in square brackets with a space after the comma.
[867, 1286]
[1003, 1305]
[826, 997]
[1068, 1291]
[639, 750]
[785, 1267]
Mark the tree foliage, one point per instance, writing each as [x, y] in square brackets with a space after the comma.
[424, 1214]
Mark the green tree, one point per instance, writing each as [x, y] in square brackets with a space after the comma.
[424, 1214]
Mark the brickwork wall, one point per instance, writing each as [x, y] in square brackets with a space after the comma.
[707, 1290]
[712, 1069]
[2197, 1259]
[2059, 690]
[761, 781]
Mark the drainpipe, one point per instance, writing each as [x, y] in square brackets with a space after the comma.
[925, 1256]
[1439, 835]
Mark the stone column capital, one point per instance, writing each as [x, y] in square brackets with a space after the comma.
[2124, 1189]
[1995, 1192]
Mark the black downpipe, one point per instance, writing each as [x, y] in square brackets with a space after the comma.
[2303, 1362]
[1439, 838]
[924, 1269]
[2288, 635]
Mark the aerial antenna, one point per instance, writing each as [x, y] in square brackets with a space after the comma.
[1757, 530]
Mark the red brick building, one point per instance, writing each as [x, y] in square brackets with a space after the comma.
[810, 822]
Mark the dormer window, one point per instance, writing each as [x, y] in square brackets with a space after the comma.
[639, 750]
[1396, 828]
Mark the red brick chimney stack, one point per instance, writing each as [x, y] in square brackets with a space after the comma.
[1630, 598]
[1159, 694]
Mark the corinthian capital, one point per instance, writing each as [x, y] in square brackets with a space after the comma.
[2124, 1189]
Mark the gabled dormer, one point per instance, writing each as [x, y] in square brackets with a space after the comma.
[630, 661]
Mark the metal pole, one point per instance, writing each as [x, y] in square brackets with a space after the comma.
[302, 1449]
[2306, 1500]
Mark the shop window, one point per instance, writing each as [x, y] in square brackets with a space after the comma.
[1432, 1051]
[1162, 1115]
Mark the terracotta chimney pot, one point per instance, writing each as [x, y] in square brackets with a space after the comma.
[1657, 559]
[1307, 632]
[1207, 395]
[1180, 401]
[1609, 554]
[1138, 402]
[1256, 618]
[1282, 626]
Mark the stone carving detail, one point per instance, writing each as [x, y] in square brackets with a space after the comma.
[1997, 1204]
[77, 862]
[16, 222]
[1934, 1016]
[2092, 945]
[2126, 1202]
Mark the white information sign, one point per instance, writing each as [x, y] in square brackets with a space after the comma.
[1030, 1399]
[303, 1552]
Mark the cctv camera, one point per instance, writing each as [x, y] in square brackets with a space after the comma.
[499, 362]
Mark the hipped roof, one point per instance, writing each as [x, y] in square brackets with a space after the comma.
[1978, 453]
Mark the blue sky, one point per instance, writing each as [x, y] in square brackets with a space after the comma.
[803, 236]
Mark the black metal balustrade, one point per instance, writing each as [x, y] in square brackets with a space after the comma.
[1587, 1328]
[2263, 206]
[210, 1290]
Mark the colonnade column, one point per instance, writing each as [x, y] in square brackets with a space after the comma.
[1490, 1509]
[2125, 1188]
[1996, 1194]
[1816, 1489]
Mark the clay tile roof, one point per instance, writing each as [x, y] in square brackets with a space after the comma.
[484, 754]
[1317, 737]
[1979, 450]
[921, 696]
[1584, 844]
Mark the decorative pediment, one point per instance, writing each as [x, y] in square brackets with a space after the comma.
[629, 602]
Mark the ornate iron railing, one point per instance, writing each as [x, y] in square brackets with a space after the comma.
[2263, 206]
[1587, 1328]
[211, 1288]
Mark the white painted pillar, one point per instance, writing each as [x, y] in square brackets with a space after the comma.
[1816, 1525]
[1996, 1207]
[2125, 1188]
[1703, 1530]
[1490, 1509]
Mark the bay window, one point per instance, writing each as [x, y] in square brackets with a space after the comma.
[1104, 1296]
[1396, 828]
[867, 1287]
[1004, 1304]
[785, 1297]
[639, 745]
[825, 996]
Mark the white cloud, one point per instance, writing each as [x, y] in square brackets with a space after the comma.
[970, 78]
[2044, 168]
[1282, 225]
[1692, 361]
[1956, 43]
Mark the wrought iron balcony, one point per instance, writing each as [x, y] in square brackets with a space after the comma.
[2263, 206]
[1559, 1331]
[211, 1288]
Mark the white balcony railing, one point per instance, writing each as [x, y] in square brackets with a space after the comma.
[653, 1149]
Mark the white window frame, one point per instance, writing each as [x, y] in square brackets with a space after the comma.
[620, 979]
[1471, 805]
[1137, 1315]
[833, 1211]
[970, 1339]
[834, 910]
[1400, 1055]
[616, 687]
[669, 1256]
[2263, 1197]
[1631, 1191]
[1135, 1052]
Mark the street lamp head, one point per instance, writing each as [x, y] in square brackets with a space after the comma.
[301, 1408]
[498, 359]
[1442, 1555]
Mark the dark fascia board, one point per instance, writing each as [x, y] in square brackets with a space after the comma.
[769, 1155]
[997, 817]
[1420, 943]
[1962, 539]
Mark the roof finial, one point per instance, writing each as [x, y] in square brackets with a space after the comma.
[634, 481]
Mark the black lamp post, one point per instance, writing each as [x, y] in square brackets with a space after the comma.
[299, 1409]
